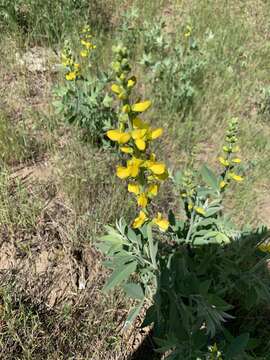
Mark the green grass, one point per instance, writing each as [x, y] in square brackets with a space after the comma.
[59, 213]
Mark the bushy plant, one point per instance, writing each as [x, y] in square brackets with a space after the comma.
[173, 64]
[175, 67]
[82, 99]
[205, 282]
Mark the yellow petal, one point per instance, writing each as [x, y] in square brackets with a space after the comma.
[156, 133]
[223, 161]
[138, 133]
[116, 89]
[131, 82]
[236, 161]
[122, 172]
[235, 177]
[141, 106]
[134, 170]
[142, 200]
[134, 188]
[162, 223]
[152, 190]
[141, 144]
[222, 184]
[114, 135]
[119, 136]
[135, 161]
[199, 210]
[140, 220]
[126, 149]
[157, 168]
[71, 76]
[124, 138]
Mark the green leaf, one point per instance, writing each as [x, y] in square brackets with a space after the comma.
[119, 275]
[212, 211]
[237, 346]
[133, 314]
[107, 101]
[209, 177]
[132, 236]
[134, 291]
[153, 247]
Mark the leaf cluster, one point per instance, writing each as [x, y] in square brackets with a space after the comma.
[205, 281]
[84, 103]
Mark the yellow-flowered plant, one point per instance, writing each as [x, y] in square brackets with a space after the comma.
[142, 170]
[82, 97]
[196, 275]
[86, 42]
[229, 160]
[72, 68]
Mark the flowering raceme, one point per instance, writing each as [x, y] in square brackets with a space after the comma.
[143, 172]
[68, 61]
[73, 68]
[229, 160]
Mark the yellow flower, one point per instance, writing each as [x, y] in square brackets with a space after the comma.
[223, 161]
[134, 165]
[126, 149]
[122, 172]
[140, 220]
[155, 167]
[116, 89]
[84, 53]
[134, 188]
[118, 136]
[236, 161]
[71, 76]
[142, 200]
[139, 137]
[132, 82]
[199, 210]
[222, 184]
[141, 106]
[162, 223]
[235, 177]
[152, 190]
[132, 169]
[143, 132]
[155, 133]
[87, 44]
